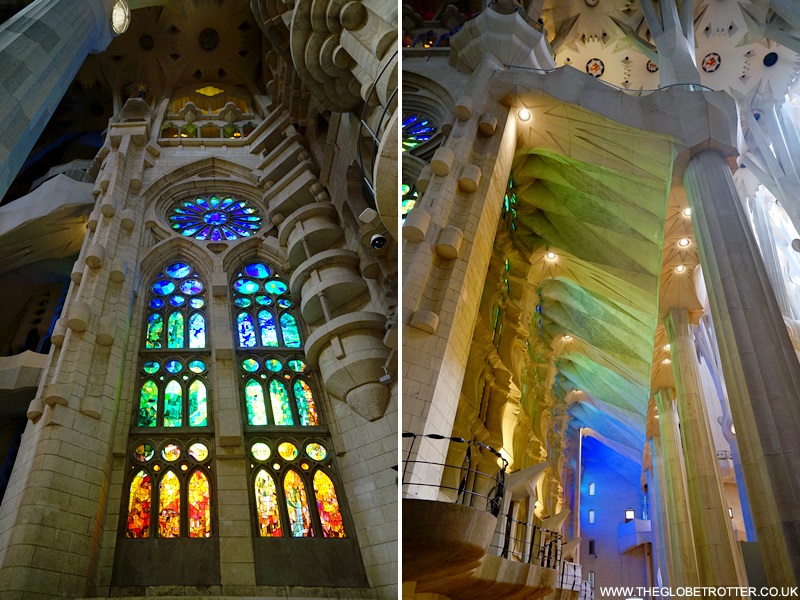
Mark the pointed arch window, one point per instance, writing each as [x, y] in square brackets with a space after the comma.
[169, 481]
[294, 493]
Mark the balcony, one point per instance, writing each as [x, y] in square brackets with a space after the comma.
[633, 534]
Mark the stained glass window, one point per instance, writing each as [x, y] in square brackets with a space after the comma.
[279, 398]
[416, 131]
[305, 403]
[410, 195]
[269, 520]
[299, 515]
[169, 492]
[328, 506]
[215, 218]
[254, 398]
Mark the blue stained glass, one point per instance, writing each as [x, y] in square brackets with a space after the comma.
[242, 302]
[284, 303]
[263, 300]
[269, 334]
[155, 327]
[157, 303]
[250, 365]
[214, 219]
[297, 365]
[274, 365]
[197, 303]
[163, 287]
[173, 366]
[275, 287]
[197, 331]
[247, 333]
[257, 270]
[291, 336]
[151, 366]
[416, 130]
[177, 300]
[191, 286]
[178, 270]
[197, 366]
[175, 330]
[245, 286]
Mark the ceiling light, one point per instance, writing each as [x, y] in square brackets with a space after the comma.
[551, 255]
[666, 361]
[567, 336]
[524, 114]
[680, 269]
[666, 347]
[683, 242]
[687, 212]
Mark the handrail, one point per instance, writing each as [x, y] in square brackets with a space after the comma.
[466, 492]
[536, 545]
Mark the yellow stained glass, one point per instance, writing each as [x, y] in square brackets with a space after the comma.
[328, 506]
[199, 506]
[269, 520]
[299, 515]
[139, 507]
[169, 506]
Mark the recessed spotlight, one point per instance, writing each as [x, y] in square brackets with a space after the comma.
[687, 212]
[551, 255]
[680, 269]
[567, 336]
[524, 114]
[683, 242]
[666, 361]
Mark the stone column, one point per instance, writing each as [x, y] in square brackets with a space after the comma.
[769, 253]
[41, 49]
[718, 559]
[681, 536]
[760, 366]
[659, 515]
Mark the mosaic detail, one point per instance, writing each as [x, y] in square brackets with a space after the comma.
[416, 131]
[595, 67]
[299, 515]
[328, 506]
[651, 66]
[215, 218]
[711, 62]
[269, 520]
[199, 506]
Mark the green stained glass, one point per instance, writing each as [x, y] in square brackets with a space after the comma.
[148, 404]
[197, 331]
[273, 364]
[173, 404]
[254, 400]
[305, 404]
[151, 366]
[250, 365]
[197, 366]
[269, 335]
[291, 337]
[316, 451]
[155, 325]
[299, 515]
[175, 330]
[297, 365]
[198, 409]
[247, 337]
[280, 403]
[275, 287]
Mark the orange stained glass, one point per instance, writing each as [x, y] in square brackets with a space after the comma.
[269, 519]
[299, 515]
[199, 506]
[169, 506]
[139, 506]
[328, 506]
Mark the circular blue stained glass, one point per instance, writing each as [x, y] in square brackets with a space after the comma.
[245, 286]
[173, 366]
[151, 366]
[250, 365]
[191, 286]
[157, 303]
[257, 270]
[273, 364]
[177, 300]
[284, 303]
[243, 302]
[215, 218]
[263, 300]
[163, 287]
[275, 287]
[197, 303]
[178, 270]
[197, 366]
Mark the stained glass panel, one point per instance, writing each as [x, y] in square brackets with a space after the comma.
[199, 506]
[148, 404]
[273, 364]
[269, 335]
[156, 303]
[280, 403]
[215, 219]
[163, 287]
[288, 451]
[254, 400]
[416, 130]
[275, 287]
[198, 409]
[155, 326]
[139, 506]
[151, 366]
[247, 334]
[191, 286]
[284, 303]
[260, 451]
[178, 270]
[245, 286]
[316, 451]
[257, 270]
[171, 452]
[143, 452]
[297, 365]
[169, 506]
[175, 330]
[291, 337]
[198, 451]
[197, 303]
[173, 366]
[305, 403]
[250, 365]
[299, 515]
[177, 300]
[197, 331]
[242, 302]
[328, 506]
[197, 366]
[269, 520]
[173, 404]
[263, 300]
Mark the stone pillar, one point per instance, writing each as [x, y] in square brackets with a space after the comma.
[659, 515]
[769, 253]
[718, 559]
[41, 49]
[760, 366]
[681, 537]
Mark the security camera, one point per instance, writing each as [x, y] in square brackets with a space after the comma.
[378, 241]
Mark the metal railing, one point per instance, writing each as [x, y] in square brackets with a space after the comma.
[571, 576]
[471, 482]
[530, 543]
